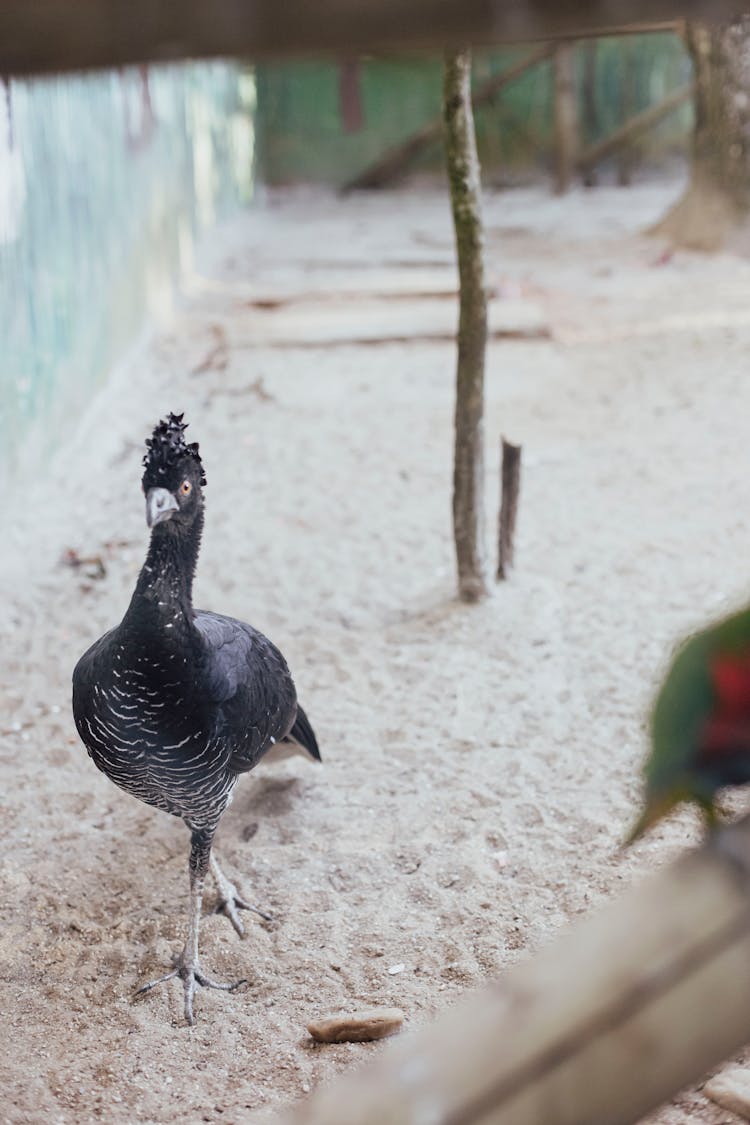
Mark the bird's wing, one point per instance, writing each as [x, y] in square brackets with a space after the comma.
[88, 668]
[88, 672]
[247, 679]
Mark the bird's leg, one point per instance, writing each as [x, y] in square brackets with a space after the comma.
[187, 964]
[230, 900]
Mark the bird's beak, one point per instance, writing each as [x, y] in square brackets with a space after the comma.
[656, 808]
[160, 506]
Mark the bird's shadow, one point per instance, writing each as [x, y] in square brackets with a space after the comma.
[270, 796]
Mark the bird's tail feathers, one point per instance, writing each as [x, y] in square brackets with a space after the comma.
[303, 734]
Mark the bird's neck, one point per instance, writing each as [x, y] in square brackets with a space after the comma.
[164, 591]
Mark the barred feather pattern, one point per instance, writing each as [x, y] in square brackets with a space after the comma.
[175, 731]
[127, 722]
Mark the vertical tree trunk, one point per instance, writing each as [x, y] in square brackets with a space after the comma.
[468, 468]
[566, 117]
[718, 196]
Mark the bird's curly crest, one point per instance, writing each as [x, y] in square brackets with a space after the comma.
[167, 445]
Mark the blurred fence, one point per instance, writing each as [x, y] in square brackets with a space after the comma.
[326, 121]
[105, 181]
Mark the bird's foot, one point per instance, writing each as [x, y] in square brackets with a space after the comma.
[191, 975]
[230, 902]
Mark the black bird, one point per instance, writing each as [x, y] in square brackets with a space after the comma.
[175, 703]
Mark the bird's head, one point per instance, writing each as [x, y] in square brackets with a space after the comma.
[173, 477]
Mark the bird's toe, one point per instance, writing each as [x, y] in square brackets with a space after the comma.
[225, 986]
[230, 909]
[191, 975]
[159, 980]
[231, 906]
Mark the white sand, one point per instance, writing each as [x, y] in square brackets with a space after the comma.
[481, 764]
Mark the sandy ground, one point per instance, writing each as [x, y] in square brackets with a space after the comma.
[481, 764]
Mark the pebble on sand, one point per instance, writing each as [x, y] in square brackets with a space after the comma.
[731, 1090]
[357, 1026]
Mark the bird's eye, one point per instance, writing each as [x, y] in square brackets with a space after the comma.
[186, 488]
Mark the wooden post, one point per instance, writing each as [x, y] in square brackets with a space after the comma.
[350, 94]
[510, 482]
[566, 117]
[590, 106]
[614, 1018]
[462, 164]
[626, 162]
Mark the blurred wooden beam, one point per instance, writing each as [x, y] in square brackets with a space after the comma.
[637, 124]
[44, 36]
[616, 1017]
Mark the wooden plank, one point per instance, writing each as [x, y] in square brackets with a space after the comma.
[45, 36]
[617, 1016]
[398, 158]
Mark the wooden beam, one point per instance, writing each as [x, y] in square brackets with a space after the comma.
[45, 36]
[617, 1016]
[398, 158]
[637, 124]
